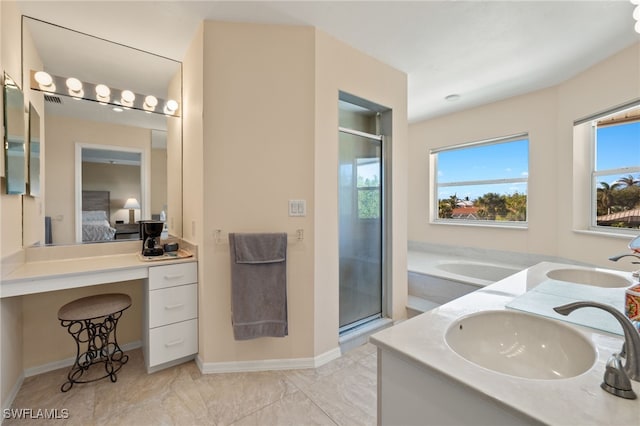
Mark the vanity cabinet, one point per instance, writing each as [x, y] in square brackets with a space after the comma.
[171, 315]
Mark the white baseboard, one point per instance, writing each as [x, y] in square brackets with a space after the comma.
[267, 364]
[12, 395]
[68, 362]
[326, 357]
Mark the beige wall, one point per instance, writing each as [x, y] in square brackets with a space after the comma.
[258, 154]
[192, 179]
[159, 180]
[62, 135]
[548, 116]
[174, 162]
[21, 212]
[609, 83]
[11, 365]
[269, 134]
[32, 207]
[11, 205]
[342, 68]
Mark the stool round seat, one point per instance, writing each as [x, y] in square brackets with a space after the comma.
[92, 307]
[92, 322]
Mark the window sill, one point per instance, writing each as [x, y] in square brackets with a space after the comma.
[517, 226]
[597, 233]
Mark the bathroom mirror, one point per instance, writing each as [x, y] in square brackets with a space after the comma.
[14, 141]
[69, 121]
[34, 152]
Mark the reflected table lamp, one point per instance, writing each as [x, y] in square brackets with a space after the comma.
[132, 204]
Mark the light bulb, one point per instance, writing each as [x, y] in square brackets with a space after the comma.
[151, 101]
[128, 97]
[637, 27]
[103, 91]
[172, 105]
[74, 84]
[636, 13]
[43, 78]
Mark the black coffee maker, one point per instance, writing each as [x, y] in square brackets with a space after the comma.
[151, 230]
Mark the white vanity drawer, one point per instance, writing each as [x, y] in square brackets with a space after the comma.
[172, 275]
[173, 304]
[173, 342]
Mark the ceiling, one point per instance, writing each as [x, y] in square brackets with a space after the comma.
[481, 50]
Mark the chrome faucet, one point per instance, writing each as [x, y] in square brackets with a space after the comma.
[620, 256]
[616, 378]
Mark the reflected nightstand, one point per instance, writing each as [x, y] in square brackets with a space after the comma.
[127, 231]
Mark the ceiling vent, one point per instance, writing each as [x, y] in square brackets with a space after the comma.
[53, 99]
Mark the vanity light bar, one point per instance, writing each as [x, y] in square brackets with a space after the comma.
[121, 98]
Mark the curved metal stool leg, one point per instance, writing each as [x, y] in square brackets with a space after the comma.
[101, 347]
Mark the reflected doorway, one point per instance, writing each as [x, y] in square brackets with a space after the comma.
[108, 178]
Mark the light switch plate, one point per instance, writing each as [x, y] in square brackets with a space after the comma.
[297, 207]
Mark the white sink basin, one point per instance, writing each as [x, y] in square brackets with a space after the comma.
[522, 345]
[589, 277]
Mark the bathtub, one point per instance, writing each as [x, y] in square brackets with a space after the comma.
[435, 281]
[478, 271]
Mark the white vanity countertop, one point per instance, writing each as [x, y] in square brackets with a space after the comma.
[60, 274]
[573, 401]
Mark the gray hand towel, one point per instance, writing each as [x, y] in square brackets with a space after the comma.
[258, 285]
[260, 248]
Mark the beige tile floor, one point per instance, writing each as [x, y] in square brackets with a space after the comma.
[342, 392]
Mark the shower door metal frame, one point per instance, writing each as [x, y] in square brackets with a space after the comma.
[383, 230]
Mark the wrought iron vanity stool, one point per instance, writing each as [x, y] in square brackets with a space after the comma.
[92, 323]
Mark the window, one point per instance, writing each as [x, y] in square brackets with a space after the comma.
[368, 184]
[616, 170]
[482, 182]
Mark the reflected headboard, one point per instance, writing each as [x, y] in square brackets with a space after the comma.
[96, 200]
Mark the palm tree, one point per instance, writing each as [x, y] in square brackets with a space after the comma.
[453, 200]
[444, 209]
[605, 195]
[516, 207]
[492, 205]
[628, 181]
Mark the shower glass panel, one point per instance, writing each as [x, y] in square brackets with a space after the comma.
[360, 229]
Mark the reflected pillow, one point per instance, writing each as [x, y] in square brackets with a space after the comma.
[92, 216]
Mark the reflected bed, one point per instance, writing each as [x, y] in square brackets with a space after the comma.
[95, 217]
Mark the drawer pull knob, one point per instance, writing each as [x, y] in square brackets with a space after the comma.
[176, 306]
[173, 277]
[174, 343]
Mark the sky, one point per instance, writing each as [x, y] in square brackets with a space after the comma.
[617, 147]
[496, 161]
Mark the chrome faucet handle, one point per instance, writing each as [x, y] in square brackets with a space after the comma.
[616, 381]
[631, 347]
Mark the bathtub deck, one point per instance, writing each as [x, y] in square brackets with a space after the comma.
[431, 286]
[417, 305]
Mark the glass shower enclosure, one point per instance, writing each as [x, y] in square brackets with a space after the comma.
[360, 208]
